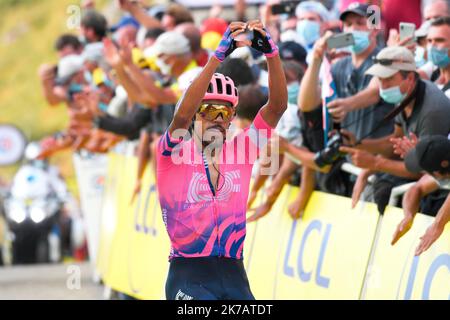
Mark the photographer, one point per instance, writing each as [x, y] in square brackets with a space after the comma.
[357, 112]
[422, 109]
[66, 45]
[357, 106]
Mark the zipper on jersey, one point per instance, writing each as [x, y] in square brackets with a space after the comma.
[211, 188]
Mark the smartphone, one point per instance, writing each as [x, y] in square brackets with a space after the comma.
[407, 30]
[287, 7]
[340, 40]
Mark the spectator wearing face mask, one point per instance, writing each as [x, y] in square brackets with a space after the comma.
[312, 17]
[359, 116]
[424, 111]
[439, 53]
[357, 106]
[173, 58]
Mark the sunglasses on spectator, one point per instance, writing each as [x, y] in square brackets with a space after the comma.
[388, 62]
[210, 112]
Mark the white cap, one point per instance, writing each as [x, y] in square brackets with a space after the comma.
[93, 52]
[312, 6]
[171, 43]
[392, 60]
[32, 150]
[68, 66]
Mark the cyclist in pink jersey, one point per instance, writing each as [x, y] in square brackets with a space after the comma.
[203, 182]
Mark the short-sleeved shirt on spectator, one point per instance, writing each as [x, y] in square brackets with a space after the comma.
[431, 117]
[349, 81]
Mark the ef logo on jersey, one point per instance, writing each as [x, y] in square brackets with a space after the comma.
[199, 190]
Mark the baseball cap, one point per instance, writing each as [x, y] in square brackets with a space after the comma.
[171, 43]
[125, 21]
[312, 6]
[355, 7]
[291, 50]
[390, 60]
[431, 154]
[67, 67]
[93, 52]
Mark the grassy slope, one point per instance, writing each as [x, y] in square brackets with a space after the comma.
[28, 29]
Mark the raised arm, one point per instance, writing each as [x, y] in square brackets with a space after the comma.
[53, 94]
[149, 93]
[140, 14]
[153, 94]
[114, 58]
[309, 96]
[277, 104]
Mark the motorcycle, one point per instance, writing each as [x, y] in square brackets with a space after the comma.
[33, 229]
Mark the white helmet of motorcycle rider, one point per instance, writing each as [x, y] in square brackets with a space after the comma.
[32, 151]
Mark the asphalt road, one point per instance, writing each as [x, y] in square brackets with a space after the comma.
[49, 282]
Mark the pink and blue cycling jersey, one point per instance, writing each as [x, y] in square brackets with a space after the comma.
[199, 221]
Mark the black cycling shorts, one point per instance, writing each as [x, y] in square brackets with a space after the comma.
[207, 278]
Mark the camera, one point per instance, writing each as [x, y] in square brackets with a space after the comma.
[287, 7]
[331, 152]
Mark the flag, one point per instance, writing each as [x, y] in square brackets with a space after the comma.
[328, 94]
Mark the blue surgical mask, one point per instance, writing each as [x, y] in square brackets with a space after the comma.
[309, 31]
[103, 106]
[392, 95]
[75, 88]
[420, 57]
[293, 89]
[439, 57]
[362, 41]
